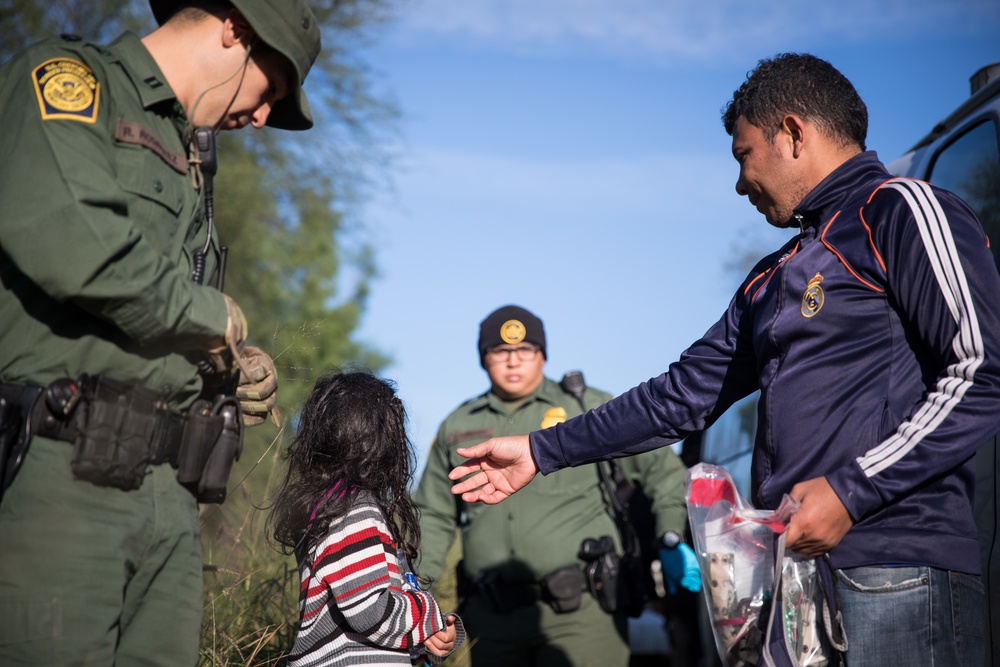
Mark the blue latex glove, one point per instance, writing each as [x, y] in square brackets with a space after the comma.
[680, 567]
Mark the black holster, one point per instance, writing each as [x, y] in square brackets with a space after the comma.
[213, 439]
[614, 580]
[16, 402]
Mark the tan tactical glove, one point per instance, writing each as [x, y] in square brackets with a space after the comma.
[258, 387]
[224, 353]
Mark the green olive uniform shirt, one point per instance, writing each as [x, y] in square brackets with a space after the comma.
[98, 221]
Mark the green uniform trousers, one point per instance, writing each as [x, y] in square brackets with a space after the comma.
[536, 636]
[93, 575]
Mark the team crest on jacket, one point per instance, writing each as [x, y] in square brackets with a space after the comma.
[812, 298]
[66, 89]
[553, 416]
[512, 331]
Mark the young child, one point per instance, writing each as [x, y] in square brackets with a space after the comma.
[345, 511]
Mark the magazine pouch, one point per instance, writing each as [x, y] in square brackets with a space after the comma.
[563, 589]
[117, 428]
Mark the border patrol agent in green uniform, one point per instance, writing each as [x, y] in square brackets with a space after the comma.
[108, 345]
[511, 553]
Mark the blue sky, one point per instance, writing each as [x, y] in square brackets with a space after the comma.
[568, 156]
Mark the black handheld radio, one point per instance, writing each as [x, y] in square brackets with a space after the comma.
[208, 156]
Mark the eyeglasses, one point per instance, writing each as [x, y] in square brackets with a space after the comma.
[502, 354]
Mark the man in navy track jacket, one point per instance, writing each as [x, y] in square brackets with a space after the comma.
[874, 338]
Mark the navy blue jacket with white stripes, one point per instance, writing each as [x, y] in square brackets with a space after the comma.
[874, 339]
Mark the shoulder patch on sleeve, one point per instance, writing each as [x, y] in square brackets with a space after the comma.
[66, 89]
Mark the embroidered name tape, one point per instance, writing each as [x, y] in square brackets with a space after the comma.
[134, 133]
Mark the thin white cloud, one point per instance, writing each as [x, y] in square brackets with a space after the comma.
[677, 30]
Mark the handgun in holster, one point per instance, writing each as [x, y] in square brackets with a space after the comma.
[15, 429]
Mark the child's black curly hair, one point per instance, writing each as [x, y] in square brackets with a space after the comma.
[351, 436]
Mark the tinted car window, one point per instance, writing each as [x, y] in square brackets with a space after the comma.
[729, 442]
[969, 166]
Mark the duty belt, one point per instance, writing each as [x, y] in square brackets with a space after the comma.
[491, 585]
[53, 411]
[117, 430]
[560, 589]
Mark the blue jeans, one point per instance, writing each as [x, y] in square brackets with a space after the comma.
[911, 617]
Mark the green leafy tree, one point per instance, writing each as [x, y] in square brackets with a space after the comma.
[298, 261]
[286, 268]
[23, 22]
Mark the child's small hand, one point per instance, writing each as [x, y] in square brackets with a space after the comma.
[442, 642]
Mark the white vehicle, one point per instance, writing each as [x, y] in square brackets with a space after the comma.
[962, 154]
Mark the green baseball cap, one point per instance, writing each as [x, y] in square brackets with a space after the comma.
[287, 26]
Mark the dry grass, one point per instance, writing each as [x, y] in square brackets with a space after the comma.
[445, 593]
[250, 588]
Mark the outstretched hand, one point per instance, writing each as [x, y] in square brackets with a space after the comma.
[498, 467]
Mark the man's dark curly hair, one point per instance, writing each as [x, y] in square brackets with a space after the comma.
[351, 437]
[804, 85]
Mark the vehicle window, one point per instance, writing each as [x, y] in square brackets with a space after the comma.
[729, 442]
[970, 167]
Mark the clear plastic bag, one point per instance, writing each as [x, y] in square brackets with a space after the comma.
[801, 619]
[737, 547]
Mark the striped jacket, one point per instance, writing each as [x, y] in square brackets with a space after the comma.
[352, 603]
[874, 338]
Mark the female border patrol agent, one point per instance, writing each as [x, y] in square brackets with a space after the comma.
[522, 574]
[107, 341]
